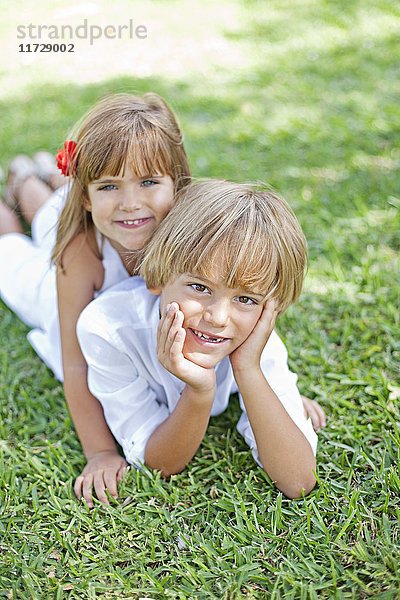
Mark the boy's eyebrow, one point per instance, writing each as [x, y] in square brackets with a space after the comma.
[196, 276]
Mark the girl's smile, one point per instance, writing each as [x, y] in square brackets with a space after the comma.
[134, 223]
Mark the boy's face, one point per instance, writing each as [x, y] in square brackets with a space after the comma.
[217, 319]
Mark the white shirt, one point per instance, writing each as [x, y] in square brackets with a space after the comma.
[118, 336]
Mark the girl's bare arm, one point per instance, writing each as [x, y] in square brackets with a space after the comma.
[83, 274]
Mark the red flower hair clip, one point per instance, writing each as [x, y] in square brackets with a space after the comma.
[65, 158]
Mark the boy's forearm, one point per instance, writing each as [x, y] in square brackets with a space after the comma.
[87, 414]
[284, 451]
[174, 443]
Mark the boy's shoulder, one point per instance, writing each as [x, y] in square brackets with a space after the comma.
[131, 286]
[129, 303]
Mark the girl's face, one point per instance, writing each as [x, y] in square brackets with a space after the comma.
[218, 319]
[127, 209]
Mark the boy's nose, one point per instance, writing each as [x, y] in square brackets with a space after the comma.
[217, 314]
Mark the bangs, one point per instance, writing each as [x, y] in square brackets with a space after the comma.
[144, 148]
[240, 255]
[245, 238]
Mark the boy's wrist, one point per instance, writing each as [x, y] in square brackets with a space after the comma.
[200, 395]
[245, 373]
[252, 368]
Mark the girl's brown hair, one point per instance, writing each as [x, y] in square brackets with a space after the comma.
[120, 130]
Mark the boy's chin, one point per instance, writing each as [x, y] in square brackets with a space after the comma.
[207, 361]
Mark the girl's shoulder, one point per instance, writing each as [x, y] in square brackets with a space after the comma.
[82, 258]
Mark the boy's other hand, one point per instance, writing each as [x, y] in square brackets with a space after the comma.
[315, 411]
[102, 472]
[170, 341]
[247, 355]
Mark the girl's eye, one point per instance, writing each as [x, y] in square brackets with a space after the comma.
[107, 188]
[198, 287]
[149, 182]
[246, 300]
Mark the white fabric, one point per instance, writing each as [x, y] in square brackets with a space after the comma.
[28, 279]
[118, 332]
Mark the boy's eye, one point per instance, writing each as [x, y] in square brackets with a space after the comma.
[246, 300]
[198, 287]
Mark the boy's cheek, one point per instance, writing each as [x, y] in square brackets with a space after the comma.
[234, 346]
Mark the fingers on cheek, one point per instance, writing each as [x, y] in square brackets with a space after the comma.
[166, 319]
[172, 332]
[165, 324]
[177, 322]
[180, 318]
[179, 341]
[165, 311]
[181, 332]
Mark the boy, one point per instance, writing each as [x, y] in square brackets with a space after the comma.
[221, 267]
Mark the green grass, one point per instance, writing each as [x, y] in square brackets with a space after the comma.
[312, 108]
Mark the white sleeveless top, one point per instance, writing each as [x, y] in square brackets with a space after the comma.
[28, 279]
[47, 341]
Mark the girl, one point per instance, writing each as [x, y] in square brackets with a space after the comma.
[227, 260]
[125, 166]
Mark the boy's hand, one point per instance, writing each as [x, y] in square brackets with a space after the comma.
[103, 471]
[313, 410]
[247, 355]
[170, 340]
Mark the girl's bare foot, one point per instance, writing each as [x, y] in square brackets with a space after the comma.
[46, 169]
[32, 194]
[25, 190]
[9, 222]
[20, 168]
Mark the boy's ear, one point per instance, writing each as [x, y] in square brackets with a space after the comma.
[155, 290]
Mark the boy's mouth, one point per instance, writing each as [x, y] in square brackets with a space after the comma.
[207, 338]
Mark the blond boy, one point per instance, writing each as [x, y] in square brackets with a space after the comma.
[222, 266]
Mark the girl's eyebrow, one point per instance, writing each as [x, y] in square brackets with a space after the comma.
[106, 180]
[111, 179]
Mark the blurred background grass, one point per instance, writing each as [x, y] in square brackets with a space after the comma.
[305, 96]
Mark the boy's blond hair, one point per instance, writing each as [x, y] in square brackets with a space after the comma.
[120, 130]
[249, 233]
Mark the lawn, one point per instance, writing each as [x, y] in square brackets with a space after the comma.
[305, 96]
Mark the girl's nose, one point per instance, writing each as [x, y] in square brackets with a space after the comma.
[217, 313]
[130, 201]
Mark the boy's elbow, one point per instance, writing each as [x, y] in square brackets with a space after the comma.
[165, 471]
[299, 488]
[166, 474]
